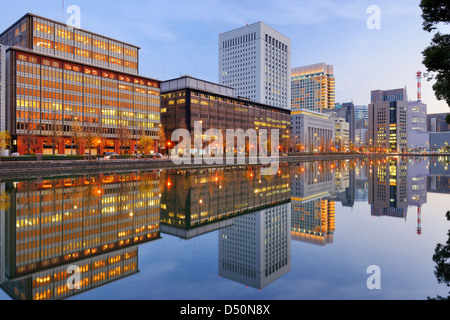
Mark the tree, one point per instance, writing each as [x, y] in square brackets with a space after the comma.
[29, 136]
[442, 259]
[55, 133]
[5, 140]
[90, 139]
[77, 130]
[162, 137]
[123, 133]
[145, 144]
[437, 55]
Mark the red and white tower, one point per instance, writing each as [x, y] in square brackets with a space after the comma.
[419, 85]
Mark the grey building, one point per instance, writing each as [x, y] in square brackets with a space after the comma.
[388, 120]
[436, 122]
[346, 111]
[312, 131]
[255, 60]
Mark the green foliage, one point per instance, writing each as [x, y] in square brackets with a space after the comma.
[434, 12]
[437, 55]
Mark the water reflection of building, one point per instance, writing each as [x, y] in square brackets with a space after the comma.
[93, 222]
[313, 214]
[439, 179]
[361, 183]
[388, 190]
[256, 249]
[195, 202]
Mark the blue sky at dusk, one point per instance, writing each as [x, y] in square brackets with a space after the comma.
[181, 37]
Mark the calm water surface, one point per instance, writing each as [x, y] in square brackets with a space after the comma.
[309, 232]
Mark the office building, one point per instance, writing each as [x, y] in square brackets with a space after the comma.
[57, 39]
[436, 122]
[341, 133]
[361, 137]
[388, 121]
[347, 112]
[312, 131]
[2, 88]
[255, 60]
[418, 136]
[69, 84]
[187, 100]
[361, 117]
[313, 87]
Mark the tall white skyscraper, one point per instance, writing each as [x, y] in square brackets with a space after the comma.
[255, 60]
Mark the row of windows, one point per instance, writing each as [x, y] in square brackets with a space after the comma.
[33, 60]
[84, 39]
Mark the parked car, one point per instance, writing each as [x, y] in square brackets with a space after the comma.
[157, 156]
[109, 155]
[16, 154]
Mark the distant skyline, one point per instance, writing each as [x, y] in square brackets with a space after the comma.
[181, 37]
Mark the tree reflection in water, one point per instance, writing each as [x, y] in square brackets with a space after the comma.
[442, 259]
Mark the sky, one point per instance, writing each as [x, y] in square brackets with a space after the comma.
[181, 37]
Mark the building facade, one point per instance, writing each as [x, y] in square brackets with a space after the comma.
[255, 60]
[313, 87]
[436, 122]
[186, 101]
[57, 39]
[312, 131]
[388, 121]
[59, 100]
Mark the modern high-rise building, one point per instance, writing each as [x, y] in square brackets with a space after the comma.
[62, 80]
[418, 136]
[313, 87]
[361, 117]
[436, 122]
[255, 60]
[388, 120]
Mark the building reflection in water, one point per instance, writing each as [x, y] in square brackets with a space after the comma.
[313, 211]
[195, 202]
[93, 222]
[256, 249]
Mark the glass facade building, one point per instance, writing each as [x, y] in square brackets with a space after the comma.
[313, 87]
[187, 100]
[51, 94]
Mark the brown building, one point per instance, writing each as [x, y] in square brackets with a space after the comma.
[187, 100]
[72, 90]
